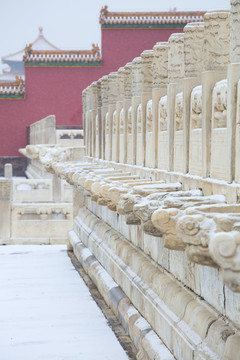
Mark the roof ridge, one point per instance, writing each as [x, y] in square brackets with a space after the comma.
[107, 17]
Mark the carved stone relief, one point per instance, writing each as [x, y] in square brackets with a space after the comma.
[235, 31]
[128, 81]
[104, 90]
[160, 64]
[196, 108]
[120, 84]
[139, 118]
[112, 88]
[114, 129]
[179, 112]
[121, 125]
[217, 39]
[220, 104]
[146, 70]
[96, 125]
[193, 46]
[176, 57]
[149, 126]
[136, 76]
[162, 113]
[107, 124]
[129, 122]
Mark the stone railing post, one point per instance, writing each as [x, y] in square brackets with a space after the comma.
[175, 75]
[127, 112]
[87, 122]
[99, 121]
[136, 101]
[194, 64]
[159, 81]
[112, 98]
[105, 127]
[84, 118]
[93, 115]
[216, 59]
[147, 125]
[118, 154]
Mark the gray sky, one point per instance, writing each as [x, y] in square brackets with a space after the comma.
[73, 24]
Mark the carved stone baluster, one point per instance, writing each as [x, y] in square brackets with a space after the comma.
[175, 75]
[127, 114]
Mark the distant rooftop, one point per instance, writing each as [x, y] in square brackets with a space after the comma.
[148, 19]
[41, 43]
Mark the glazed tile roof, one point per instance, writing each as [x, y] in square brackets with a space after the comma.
[133, 18]
[12, 89]
[62, 56]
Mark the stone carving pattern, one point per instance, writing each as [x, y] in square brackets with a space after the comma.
[112, 88]
[128, 80]
[121, 125]
[114, 130]
[96, 125]
[219, 99]
[139, 118]
[146, 70]
[107, 124]
[196, 107]
[149, 125]
[136, 76]
[129, 122]
[235, 31]
[179, 112]
[162, 113]
[176, 57]
[120, 84]
[99, 95]
[160, 64]
[217, 39]
[193, 45]
[104, 90]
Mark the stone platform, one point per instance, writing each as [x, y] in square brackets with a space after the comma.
[46, 310]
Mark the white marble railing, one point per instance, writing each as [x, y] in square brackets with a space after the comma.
[178, 107]
[69, 137]
[27, 190]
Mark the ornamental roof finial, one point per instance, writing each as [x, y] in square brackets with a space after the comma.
[40, 30]
[103, 13]
[18, 81]
[28, 49]
[95, 49]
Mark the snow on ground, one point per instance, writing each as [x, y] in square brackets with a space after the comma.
[46, 310]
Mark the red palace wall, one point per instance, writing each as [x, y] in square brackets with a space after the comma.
[57, 90]
[126, 44]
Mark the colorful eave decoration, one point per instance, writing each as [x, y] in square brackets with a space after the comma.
[62, 58]
[12, 90]
[148, 20]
